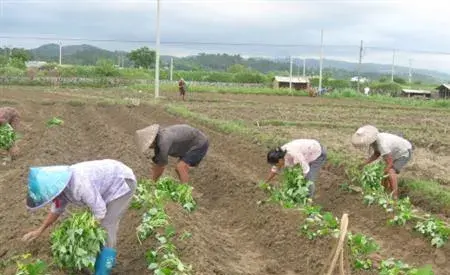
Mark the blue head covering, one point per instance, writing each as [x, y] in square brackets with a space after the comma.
[46, 183]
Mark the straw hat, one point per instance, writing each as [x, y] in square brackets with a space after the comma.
[143, 138]
[46, 183]
[365, 136]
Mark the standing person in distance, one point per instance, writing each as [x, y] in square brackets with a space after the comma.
[182, 141]
[182, 88]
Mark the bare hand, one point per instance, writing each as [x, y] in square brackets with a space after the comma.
[30, 236]
[13, 151]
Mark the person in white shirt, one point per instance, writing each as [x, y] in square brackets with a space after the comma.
[308, 153]
[396, 152]
[366, 91]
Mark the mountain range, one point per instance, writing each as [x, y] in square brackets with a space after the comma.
[88, 55]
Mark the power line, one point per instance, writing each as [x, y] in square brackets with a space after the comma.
[237, 44]
[170, 42]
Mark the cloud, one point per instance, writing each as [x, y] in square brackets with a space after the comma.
[383, 25]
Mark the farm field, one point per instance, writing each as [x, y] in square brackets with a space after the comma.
[231, 233]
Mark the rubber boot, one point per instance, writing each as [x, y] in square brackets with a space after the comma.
[105, 261]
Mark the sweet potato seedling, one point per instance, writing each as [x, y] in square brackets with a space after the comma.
[7, 136]
[76, 242]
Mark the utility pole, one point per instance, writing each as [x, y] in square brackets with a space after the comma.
[171, 68]
[298, 68]
[304, 67]
[60, 53]
[359, 66]
[321, 60]
[410, 71]
[393, 65]
[157, 50]
[290, 76]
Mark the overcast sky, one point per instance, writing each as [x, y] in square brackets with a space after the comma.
[402, 24]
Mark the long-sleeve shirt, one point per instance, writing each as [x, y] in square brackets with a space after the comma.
[95, 184]
[300, 151]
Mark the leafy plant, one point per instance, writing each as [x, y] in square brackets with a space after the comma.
[76, 242]
[181, 193]
[361, 247]
[37, 267]
[371, 177]
[7, 136]
[149, 193]
[435, 229]
[55, 121]
[397, 267]
[404, 212]
[154, 218]
[319, 224]
[164, 261]
[293, 191]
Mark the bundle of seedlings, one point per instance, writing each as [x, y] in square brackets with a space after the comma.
[76, 242]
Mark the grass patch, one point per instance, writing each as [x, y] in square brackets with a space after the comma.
[429, 194]
[172, 88]
[76, 103]
[410, 102]
[434, 195]
[8, 102]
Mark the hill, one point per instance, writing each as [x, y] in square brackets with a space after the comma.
[89, 55]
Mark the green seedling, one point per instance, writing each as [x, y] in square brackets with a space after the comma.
[76, 242]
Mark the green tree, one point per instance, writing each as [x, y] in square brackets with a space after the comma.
[237, 68]
[399, 80]
[143, 57]
[106, 67]
[20, 54]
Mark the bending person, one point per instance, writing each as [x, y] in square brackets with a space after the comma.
[105, 186]
[182, 141]
[308, 153]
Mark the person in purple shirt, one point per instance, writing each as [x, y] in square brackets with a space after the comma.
[105, 186]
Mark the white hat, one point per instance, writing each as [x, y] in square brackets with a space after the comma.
[365, 136]
[143, 138]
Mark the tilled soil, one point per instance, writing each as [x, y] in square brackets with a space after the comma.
[231, 233]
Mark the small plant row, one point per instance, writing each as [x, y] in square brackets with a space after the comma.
[293, 193]
[162, 259]
[75, 243]
[374, 193]
[26, 265]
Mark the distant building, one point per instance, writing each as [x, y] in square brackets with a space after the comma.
[444, 91]
[361, 79]
[35, 64]
[298, 83]
[416, 93]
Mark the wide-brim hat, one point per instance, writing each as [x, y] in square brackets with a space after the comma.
[143, 138]
[46, 183]
[365, 136]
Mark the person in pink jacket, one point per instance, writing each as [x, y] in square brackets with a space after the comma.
[308, 153]
[105, 186]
